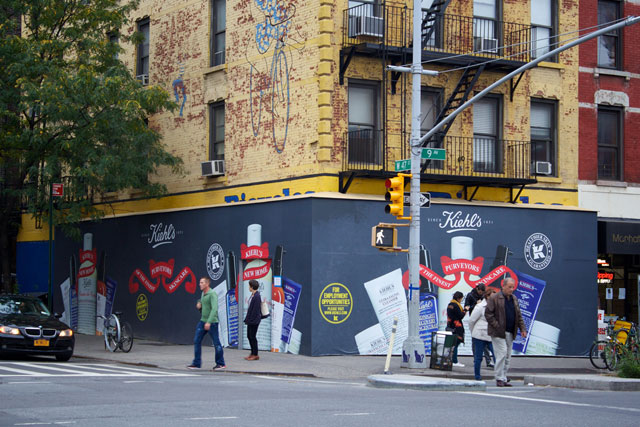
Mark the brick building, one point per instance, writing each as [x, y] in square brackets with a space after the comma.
[609, 165]
[290, 98]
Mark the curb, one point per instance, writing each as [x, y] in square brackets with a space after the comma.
[586, 382]
[425, 383]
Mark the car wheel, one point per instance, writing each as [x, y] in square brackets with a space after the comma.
[63, 357]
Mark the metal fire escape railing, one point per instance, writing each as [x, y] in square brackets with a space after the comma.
[385, 31]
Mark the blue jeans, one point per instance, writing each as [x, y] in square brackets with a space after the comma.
[478, 352]
[197, 344]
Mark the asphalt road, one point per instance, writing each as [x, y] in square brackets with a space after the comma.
[85, 393]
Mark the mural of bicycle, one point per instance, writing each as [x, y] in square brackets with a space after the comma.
[272, 89]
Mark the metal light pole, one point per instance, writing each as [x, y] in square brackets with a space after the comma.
[413, 347]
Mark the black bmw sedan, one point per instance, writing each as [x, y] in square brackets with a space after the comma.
[27, 327]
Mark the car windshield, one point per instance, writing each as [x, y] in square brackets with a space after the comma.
[21, 305]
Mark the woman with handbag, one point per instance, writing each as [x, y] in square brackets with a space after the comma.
[253, 318]
[455, 314]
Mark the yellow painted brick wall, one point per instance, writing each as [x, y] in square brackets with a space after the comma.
[318, 108]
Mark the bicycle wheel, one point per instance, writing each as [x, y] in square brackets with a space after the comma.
[112, 332]
[596, 354]
[126, 339]
[612, 354]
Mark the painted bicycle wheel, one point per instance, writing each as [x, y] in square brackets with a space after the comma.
[255, 97]
[280, 99]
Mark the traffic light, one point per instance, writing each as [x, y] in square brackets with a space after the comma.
[395, 195]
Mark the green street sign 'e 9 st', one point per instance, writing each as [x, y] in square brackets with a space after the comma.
[434, 153]
[403, 165]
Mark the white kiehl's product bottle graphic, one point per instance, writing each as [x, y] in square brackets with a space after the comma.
[254, 238]
[87, 277]
[461, 248]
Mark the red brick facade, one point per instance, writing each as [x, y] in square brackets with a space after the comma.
[620, 87]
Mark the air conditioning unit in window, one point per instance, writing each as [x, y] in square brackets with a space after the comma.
[213, 168]
[543, 168]
[143, 78]
[483, 45]
[366, 26]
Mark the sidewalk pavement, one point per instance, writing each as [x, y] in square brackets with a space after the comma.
[573, 372]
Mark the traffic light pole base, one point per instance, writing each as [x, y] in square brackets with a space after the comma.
[413, 356]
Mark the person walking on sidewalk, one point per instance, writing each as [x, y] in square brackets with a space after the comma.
[253, 318]
[476, 295]
[480, 338]
[504, 319]
[455, 314]
[208, 305]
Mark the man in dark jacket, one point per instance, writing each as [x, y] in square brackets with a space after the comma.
[504, 319]
[473, 298]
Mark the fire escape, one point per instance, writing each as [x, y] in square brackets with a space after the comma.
[469, 45]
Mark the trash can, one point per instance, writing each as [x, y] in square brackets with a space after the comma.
[442, 343]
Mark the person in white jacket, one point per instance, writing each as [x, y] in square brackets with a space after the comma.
[479, 334]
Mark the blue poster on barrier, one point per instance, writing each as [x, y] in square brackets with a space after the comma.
[529, 294]
[291, 297]
[428, 321]
[110, 288]
[232, 318]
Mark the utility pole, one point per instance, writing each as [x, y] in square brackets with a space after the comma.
[413, 354]
[413, 348]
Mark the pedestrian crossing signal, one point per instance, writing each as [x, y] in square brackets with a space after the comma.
[384, 237]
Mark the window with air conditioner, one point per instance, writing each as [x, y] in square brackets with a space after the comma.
[365, 19]
[142, 52]
[485, 26]
[543, 27]
[543, 136]
[487, 124]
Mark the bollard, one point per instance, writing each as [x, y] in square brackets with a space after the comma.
[390, 350]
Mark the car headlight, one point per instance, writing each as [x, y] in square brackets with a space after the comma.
[66, 333]
[9, 330]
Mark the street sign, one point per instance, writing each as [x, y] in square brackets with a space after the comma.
[384, 236]
[425, 200]
[434, 153]
[57, 190]
[403, 165]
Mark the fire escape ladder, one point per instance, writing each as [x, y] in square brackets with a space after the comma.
[430, 18]
[459, 96]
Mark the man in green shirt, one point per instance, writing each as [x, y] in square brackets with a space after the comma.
[208, 305]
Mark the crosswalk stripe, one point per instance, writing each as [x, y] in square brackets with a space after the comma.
[36, 369]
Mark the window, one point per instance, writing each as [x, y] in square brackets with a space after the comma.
[609, 45]
[485, 31]
[218, 27]
[609, 143]
[114, 39]
[486, 135]
[216, 131]
[543, 28]
[429, 109]
[364, 136]
[543, 135]
[142, 67]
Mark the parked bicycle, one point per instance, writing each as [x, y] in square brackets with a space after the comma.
[597, 351]
[118, 334]
[624, 343]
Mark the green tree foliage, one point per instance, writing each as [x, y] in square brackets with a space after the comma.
[71, 112]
